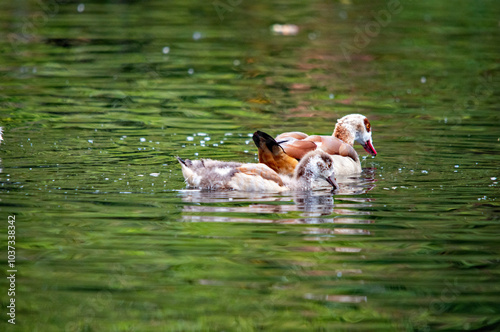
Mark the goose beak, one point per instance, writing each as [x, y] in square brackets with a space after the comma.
[331, 180]
[368, 146]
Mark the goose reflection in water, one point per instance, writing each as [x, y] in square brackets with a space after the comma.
[327, 220]
[321, 244]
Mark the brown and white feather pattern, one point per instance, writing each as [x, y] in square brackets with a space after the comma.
[314, 171]
[350, 128]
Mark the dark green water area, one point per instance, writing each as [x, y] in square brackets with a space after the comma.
[98, 97]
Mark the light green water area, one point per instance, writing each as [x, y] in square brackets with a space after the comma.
[98, 97]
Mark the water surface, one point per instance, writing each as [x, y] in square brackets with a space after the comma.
[97, 98]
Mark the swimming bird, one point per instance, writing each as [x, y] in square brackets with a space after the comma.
[350, 128]
[211, 174]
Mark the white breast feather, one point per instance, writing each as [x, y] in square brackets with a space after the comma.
[245, 182]
[345, 166]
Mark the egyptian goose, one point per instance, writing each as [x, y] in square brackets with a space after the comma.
[350, 128]
[219, 175]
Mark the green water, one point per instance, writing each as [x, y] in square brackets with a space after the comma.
[96, 99]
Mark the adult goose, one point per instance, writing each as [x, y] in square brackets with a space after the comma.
[294, 145]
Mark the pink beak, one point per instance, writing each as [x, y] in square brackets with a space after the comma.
[368, 146]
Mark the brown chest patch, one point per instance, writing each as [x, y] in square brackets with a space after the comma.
[343, 134]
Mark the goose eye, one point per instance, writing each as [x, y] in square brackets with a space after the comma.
[367, 125]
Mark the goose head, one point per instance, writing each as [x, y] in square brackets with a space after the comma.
[314, 166]
[355, 127]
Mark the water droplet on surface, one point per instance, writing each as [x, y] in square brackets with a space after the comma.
[285, 29]
[196, 35]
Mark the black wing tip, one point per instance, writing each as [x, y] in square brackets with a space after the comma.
[260, 137]
[262, 134]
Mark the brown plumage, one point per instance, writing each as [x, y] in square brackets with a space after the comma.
[284, 159]
[282, 154]
[273, 155]
[332, 145]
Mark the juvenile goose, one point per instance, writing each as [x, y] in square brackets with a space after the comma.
[220, 175]
[350, 128]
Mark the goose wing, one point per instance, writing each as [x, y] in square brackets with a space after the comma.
[261, 170]
[297, 149]
[334, 146]
[291, 135]
[331, 145]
